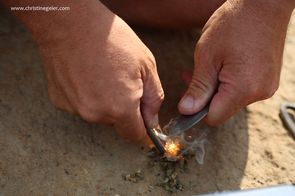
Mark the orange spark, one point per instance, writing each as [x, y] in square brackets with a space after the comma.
[172, 148]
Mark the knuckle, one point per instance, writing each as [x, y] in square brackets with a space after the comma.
[116, 112]
[199, 86]
[151, 62]
[151, 57]
[154, 102]
[88, 115]
[161, 96]
[148, 61]
[261, 92]
[89, 112]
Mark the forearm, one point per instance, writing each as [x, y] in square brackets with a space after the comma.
[41, 23]
[282, 5]
[270, 14]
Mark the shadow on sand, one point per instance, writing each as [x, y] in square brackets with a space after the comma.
[45, 151]
[228, 144]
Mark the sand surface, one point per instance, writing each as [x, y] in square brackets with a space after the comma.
[44, 151]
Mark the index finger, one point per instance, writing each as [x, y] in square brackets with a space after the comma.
[131, 125]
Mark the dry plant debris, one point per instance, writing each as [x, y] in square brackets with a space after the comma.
[134, 177]
[170, 182]
[170, 171]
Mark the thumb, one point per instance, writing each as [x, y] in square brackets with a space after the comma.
[153, 96]
[201, 87]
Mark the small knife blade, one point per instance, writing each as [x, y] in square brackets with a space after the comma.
[183, 123]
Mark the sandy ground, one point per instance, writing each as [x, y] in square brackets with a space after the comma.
[44, 151]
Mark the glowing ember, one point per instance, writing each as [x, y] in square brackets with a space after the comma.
[172, 148]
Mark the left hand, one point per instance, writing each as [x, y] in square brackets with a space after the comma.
[238, 57]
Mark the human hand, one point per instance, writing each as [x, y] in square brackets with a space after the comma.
[237, 58]
[98, 68]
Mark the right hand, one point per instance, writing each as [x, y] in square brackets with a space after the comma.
[99, 69]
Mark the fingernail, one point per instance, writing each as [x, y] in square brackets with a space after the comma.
[187, 103]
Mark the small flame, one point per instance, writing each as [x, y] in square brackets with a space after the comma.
[172, 145]
[172, 148]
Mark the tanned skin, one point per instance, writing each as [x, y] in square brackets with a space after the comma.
[98, 68]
